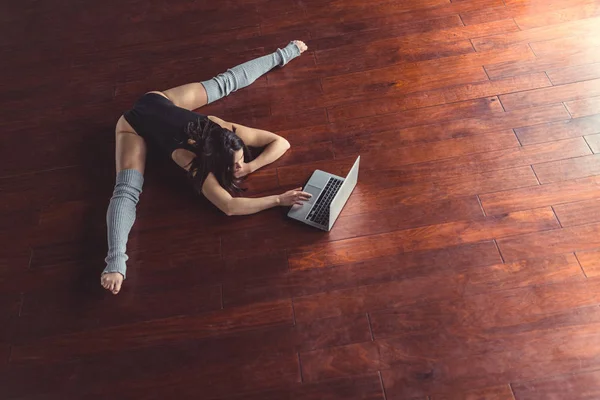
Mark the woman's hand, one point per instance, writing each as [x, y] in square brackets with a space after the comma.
[291, 197]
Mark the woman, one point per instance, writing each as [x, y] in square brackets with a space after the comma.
[212, 151]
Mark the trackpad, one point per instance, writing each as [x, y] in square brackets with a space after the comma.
[314, 191]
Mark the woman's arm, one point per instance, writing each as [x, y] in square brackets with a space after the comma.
[213, 191]
[275, 145]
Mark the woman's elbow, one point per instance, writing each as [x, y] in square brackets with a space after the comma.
[285, 144]
[229, 211]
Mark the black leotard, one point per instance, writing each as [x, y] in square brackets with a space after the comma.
[162, 123]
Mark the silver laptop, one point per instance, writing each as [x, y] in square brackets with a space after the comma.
[329, 195]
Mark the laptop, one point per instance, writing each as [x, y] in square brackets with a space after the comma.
[329, 195]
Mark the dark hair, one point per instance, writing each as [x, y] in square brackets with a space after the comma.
[214, 148]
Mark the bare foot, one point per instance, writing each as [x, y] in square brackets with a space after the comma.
[112, 282]
[301, 45]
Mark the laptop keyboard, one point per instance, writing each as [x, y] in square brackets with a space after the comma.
[320, 211]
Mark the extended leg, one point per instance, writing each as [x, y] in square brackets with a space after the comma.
[121, 213]
[196, 95]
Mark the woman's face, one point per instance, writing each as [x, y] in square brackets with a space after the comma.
[238, 160]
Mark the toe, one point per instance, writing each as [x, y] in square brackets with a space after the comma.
[117, 287]
[301, 45]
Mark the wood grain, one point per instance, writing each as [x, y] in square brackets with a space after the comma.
[583, 107]
[584, 237]
[559, 130]
[550, 194]
[566, 384]
[428, 237]
[578, 213]
[463, 266]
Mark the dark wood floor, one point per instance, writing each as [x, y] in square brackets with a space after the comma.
[465, 266]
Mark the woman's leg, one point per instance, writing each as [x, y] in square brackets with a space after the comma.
[120, 216]
[196, 95]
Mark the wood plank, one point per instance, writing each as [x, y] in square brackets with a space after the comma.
[580, 11]
[430, 237]
[358, 9]
[277, 99]
[584, 237]
[572, 44]
[574, 74]
[408, 78]
[47, 314]
[507, 313]
[511, 10]
[383, 53]
[499, 70]
[594, 142]
[527, 361]
[582, 386]
[391, 130]
[583, 107]
[437, 169]
[370, 31]
[379, 15]
[301, 337]
[397, 80]
[563, 170]
[355, 388]
[563, 267]
[428, 151]
[379, 296]
[456, 128]
[573, 28]
[590, 262]
[418, 34]
[383, 354]
[179, 328]
[465, 185]
[502, 392]
[539, 196]
[358, 359]
[424, 317]
[309, 134]
[441, 112]
[554, 94]
[477, 162]
[350, 225]
[559, 130]
[578, 213]
[195, 375]
[10, 307]
[441, 96]
[336, 51]
[297, 283]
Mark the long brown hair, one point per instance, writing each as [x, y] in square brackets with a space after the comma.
[214, 147]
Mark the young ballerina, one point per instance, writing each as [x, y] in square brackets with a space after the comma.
[212, 151]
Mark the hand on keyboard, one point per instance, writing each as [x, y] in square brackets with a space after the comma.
[296, 196]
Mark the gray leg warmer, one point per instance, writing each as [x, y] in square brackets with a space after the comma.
[244, 74]
[120, 218]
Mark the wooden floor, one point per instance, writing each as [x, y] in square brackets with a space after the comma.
[466, 265]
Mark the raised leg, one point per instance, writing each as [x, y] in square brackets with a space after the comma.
[195, 95]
